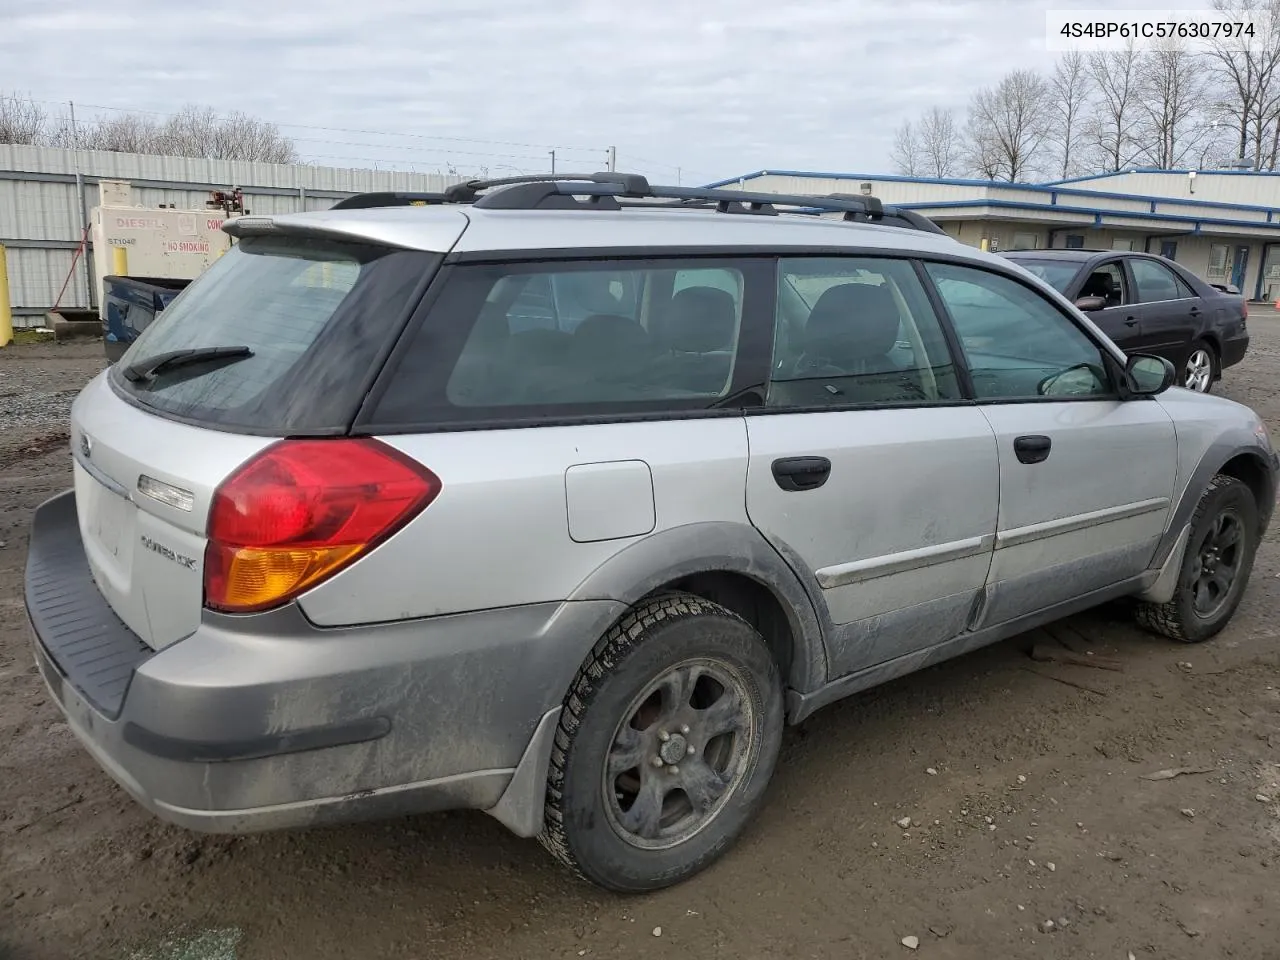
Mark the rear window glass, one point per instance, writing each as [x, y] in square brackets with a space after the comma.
[314, 314]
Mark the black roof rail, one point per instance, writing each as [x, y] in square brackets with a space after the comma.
[364, 201]
[612, 191]
[631, 184]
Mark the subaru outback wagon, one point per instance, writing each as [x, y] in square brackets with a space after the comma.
[559, 499]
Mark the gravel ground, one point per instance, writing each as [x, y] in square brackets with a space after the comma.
[1034, 830]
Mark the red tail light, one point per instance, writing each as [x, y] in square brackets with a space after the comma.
[301, 511]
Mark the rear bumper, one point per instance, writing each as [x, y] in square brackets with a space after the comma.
[265, 721]
[1234, 349]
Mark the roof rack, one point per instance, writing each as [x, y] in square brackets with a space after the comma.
[613, 191]
[364, 201]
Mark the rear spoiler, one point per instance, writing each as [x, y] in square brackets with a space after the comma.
[1226, 288]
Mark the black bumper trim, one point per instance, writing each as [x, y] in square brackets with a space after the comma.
[1233, 351]
[79, 632]
[256, 748]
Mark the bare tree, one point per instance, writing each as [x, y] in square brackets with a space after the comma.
[1114, 125]
[1172, 88]
[192, 132]
[22, 120]
[939, 143]
[199, 132]
[1248, 70]
[905, 152]
[125, 133]
[1008, 125]
[1069, 90]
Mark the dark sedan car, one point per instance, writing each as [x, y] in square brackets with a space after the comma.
[1148, 304]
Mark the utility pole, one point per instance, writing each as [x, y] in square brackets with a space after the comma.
[553, 162]
[613, 159]
[84, 209]
[678, 177]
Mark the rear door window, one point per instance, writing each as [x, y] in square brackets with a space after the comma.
[1156, 282]
[521, 339]
[314, 316]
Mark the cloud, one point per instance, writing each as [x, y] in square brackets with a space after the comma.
[715, 88]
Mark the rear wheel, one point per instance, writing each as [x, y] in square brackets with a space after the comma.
[667, 741]
[1215, 568]
[1201, 368]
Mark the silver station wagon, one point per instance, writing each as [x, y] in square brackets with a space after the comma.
[559, 498]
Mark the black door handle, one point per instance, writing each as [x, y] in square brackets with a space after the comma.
[1034, 449]
[1195, 311]
[801, 473]
[1131, 321]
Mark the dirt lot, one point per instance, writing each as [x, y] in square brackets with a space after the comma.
[1023, 780]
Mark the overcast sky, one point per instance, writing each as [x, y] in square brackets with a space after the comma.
[713, 87]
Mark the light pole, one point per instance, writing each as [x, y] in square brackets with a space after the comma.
[1213, 130]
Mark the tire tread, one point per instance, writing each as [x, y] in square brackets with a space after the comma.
[608, 650]
[1166, 619]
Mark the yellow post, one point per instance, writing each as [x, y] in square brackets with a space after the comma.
[6, 309]
[120, 261]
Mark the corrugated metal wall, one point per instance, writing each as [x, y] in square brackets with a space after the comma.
[40, 214]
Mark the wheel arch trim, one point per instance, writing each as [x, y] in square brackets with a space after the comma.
[718, 547]
[1212, 462]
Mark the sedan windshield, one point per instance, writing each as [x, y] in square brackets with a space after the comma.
[1056, 273]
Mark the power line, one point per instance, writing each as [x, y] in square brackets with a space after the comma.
[303, 126]
[393, 146]
[431, 141]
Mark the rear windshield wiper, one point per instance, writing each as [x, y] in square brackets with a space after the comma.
[149, 368]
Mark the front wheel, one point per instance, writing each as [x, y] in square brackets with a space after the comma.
[1201, 368]
[1215, 568]
[667, 741]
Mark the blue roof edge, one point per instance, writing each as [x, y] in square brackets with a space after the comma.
[1052, 187]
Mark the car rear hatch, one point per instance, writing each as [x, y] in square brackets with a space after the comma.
[280, 338]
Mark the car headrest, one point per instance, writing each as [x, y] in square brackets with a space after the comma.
[604, 344]
[854, 321]
[538, 347]
[701, 320]
[1098, 285]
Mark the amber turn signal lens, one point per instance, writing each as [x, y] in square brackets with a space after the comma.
[252, 578]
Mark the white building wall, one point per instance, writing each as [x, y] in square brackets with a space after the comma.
[1260, 189]
[888, 190]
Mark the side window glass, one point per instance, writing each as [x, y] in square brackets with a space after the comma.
[1108, 282]
[1017, 343]
[854, 330]
[594, 334]
[1155, 281]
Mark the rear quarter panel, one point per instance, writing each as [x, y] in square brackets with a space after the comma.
[526, 515]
